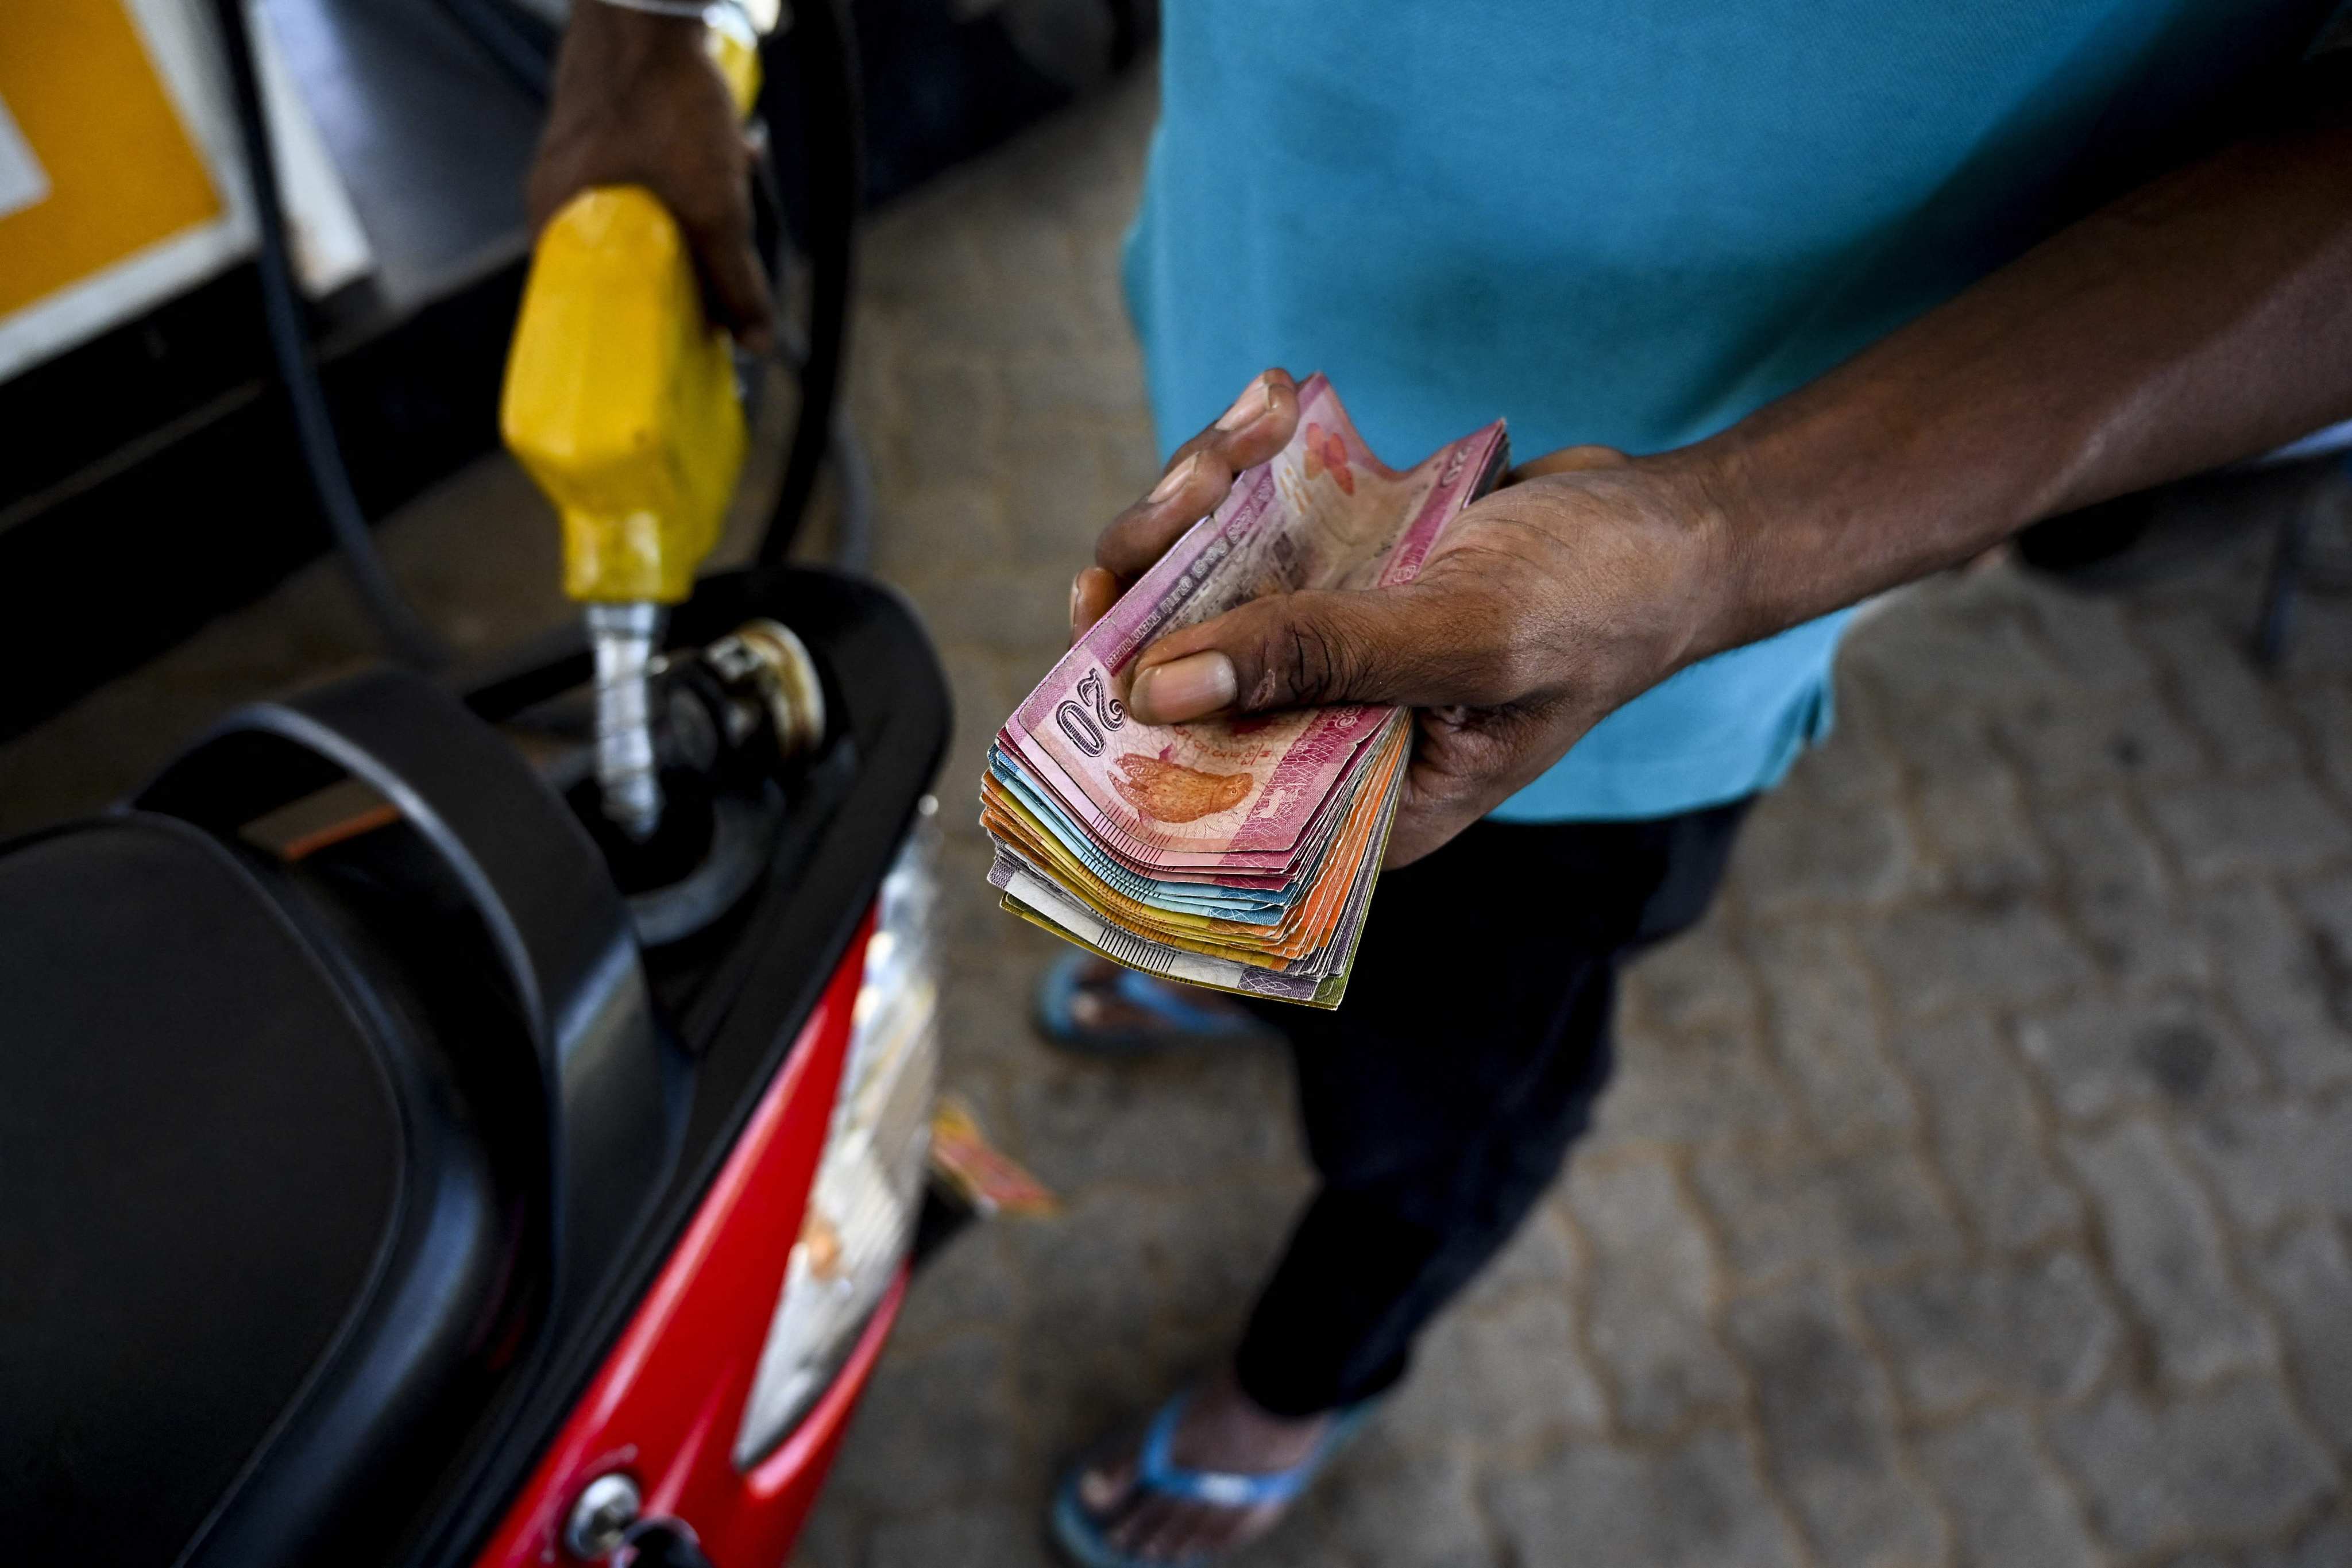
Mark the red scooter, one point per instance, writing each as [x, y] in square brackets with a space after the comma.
[397, 1169]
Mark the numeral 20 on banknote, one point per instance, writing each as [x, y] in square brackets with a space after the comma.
[1079, 725]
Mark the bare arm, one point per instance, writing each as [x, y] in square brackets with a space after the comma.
[2201, 319]
[2205, 318]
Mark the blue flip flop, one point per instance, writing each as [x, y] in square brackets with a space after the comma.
[1176, 1019]
[1081, 1539]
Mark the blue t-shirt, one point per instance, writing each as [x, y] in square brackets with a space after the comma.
[1633, 222]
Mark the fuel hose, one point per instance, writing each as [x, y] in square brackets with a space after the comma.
[403, 632]
[833, 122]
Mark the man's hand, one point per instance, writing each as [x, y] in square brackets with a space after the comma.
[639, 103]
[1543, 607]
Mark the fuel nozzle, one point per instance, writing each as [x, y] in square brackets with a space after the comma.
[621, 401]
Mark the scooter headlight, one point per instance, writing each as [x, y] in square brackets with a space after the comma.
[869, 1181]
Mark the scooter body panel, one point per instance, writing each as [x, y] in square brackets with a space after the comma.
[665, 1408]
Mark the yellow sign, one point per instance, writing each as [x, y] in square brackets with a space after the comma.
[101, 162]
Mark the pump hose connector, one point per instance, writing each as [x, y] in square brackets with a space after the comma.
[624, 636]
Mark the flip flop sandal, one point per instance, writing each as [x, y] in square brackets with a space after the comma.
[1081, 1538]
[1175, 1018]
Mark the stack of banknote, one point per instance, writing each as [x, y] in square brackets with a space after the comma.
[1237, 853]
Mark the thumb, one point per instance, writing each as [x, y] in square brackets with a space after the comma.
[1410, 645]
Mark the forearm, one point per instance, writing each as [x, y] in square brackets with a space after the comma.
[2205, 318]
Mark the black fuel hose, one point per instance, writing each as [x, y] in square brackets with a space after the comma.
[833, 139]
[522, 48]
[853, 476]
[405, 634]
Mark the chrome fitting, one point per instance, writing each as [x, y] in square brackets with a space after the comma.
[600, 1516]
[763, 658]
[624, 636]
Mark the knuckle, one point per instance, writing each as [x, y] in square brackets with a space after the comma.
[1512, 670]
[712, 207]
[1121, 546]
[1203, 463]
[1307, 660]
[1509, 660]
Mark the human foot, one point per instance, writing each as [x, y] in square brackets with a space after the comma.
[1089, 1003]
[1226, 1473]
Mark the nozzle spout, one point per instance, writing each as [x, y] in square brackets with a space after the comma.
[624, 636]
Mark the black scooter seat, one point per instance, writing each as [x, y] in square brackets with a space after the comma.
[203, 1211]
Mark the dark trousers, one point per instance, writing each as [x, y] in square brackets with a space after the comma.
[1442, 1097]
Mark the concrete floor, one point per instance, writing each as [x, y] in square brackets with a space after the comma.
[1974, 1189]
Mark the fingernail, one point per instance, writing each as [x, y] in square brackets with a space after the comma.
[1183, 689]
[1254, 400]
[1173, 480]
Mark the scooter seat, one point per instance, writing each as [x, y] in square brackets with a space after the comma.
[304, 1152]
[208, 1158]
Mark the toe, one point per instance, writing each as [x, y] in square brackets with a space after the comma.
[1217, 1529]
[1185, 1533]
[1133, 1531]
[1103, 1487]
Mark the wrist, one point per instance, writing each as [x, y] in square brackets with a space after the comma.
[1705, 487]
[689, 13]
[623, 39]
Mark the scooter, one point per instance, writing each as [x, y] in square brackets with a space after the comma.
[483, 1121]
[376, 1192]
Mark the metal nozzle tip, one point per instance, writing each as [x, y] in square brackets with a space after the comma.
[623, 637]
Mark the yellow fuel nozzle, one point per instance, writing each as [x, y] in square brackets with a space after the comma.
[620, 401]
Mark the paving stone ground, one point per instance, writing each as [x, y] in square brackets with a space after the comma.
[1975, 1190]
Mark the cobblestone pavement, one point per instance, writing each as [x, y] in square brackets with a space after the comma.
[1975, 1187]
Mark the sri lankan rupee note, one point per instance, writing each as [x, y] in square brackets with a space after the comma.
[1320, 980]
[1242, 795]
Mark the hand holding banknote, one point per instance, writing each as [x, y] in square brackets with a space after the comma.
[1541, 608]
[1237, 851]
